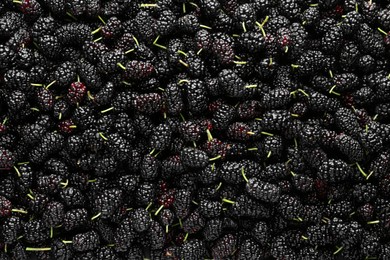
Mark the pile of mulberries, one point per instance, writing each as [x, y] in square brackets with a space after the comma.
[202, 129]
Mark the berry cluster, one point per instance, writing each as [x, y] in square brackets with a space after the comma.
[204, 129]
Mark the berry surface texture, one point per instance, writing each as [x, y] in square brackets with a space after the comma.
[194, 129]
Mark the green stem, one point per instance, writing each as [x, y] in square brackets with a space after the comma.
[228, 201]
[159, 209]
[36, 249]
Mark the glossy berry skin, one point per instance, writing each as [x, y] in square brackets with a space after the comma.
[76, 92]
[224, 246]
[54, 214]
[85, 241]
[108, 201]
[6, 159]
[138, 70]
[263, 191]
[66, 126]
[194, 158]
[141, 220]
[45, 99]
[167, 198]
[75, 218]
[148, 103]
[51, 143]
[35, 231]
[161, 137]
[6, 207]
